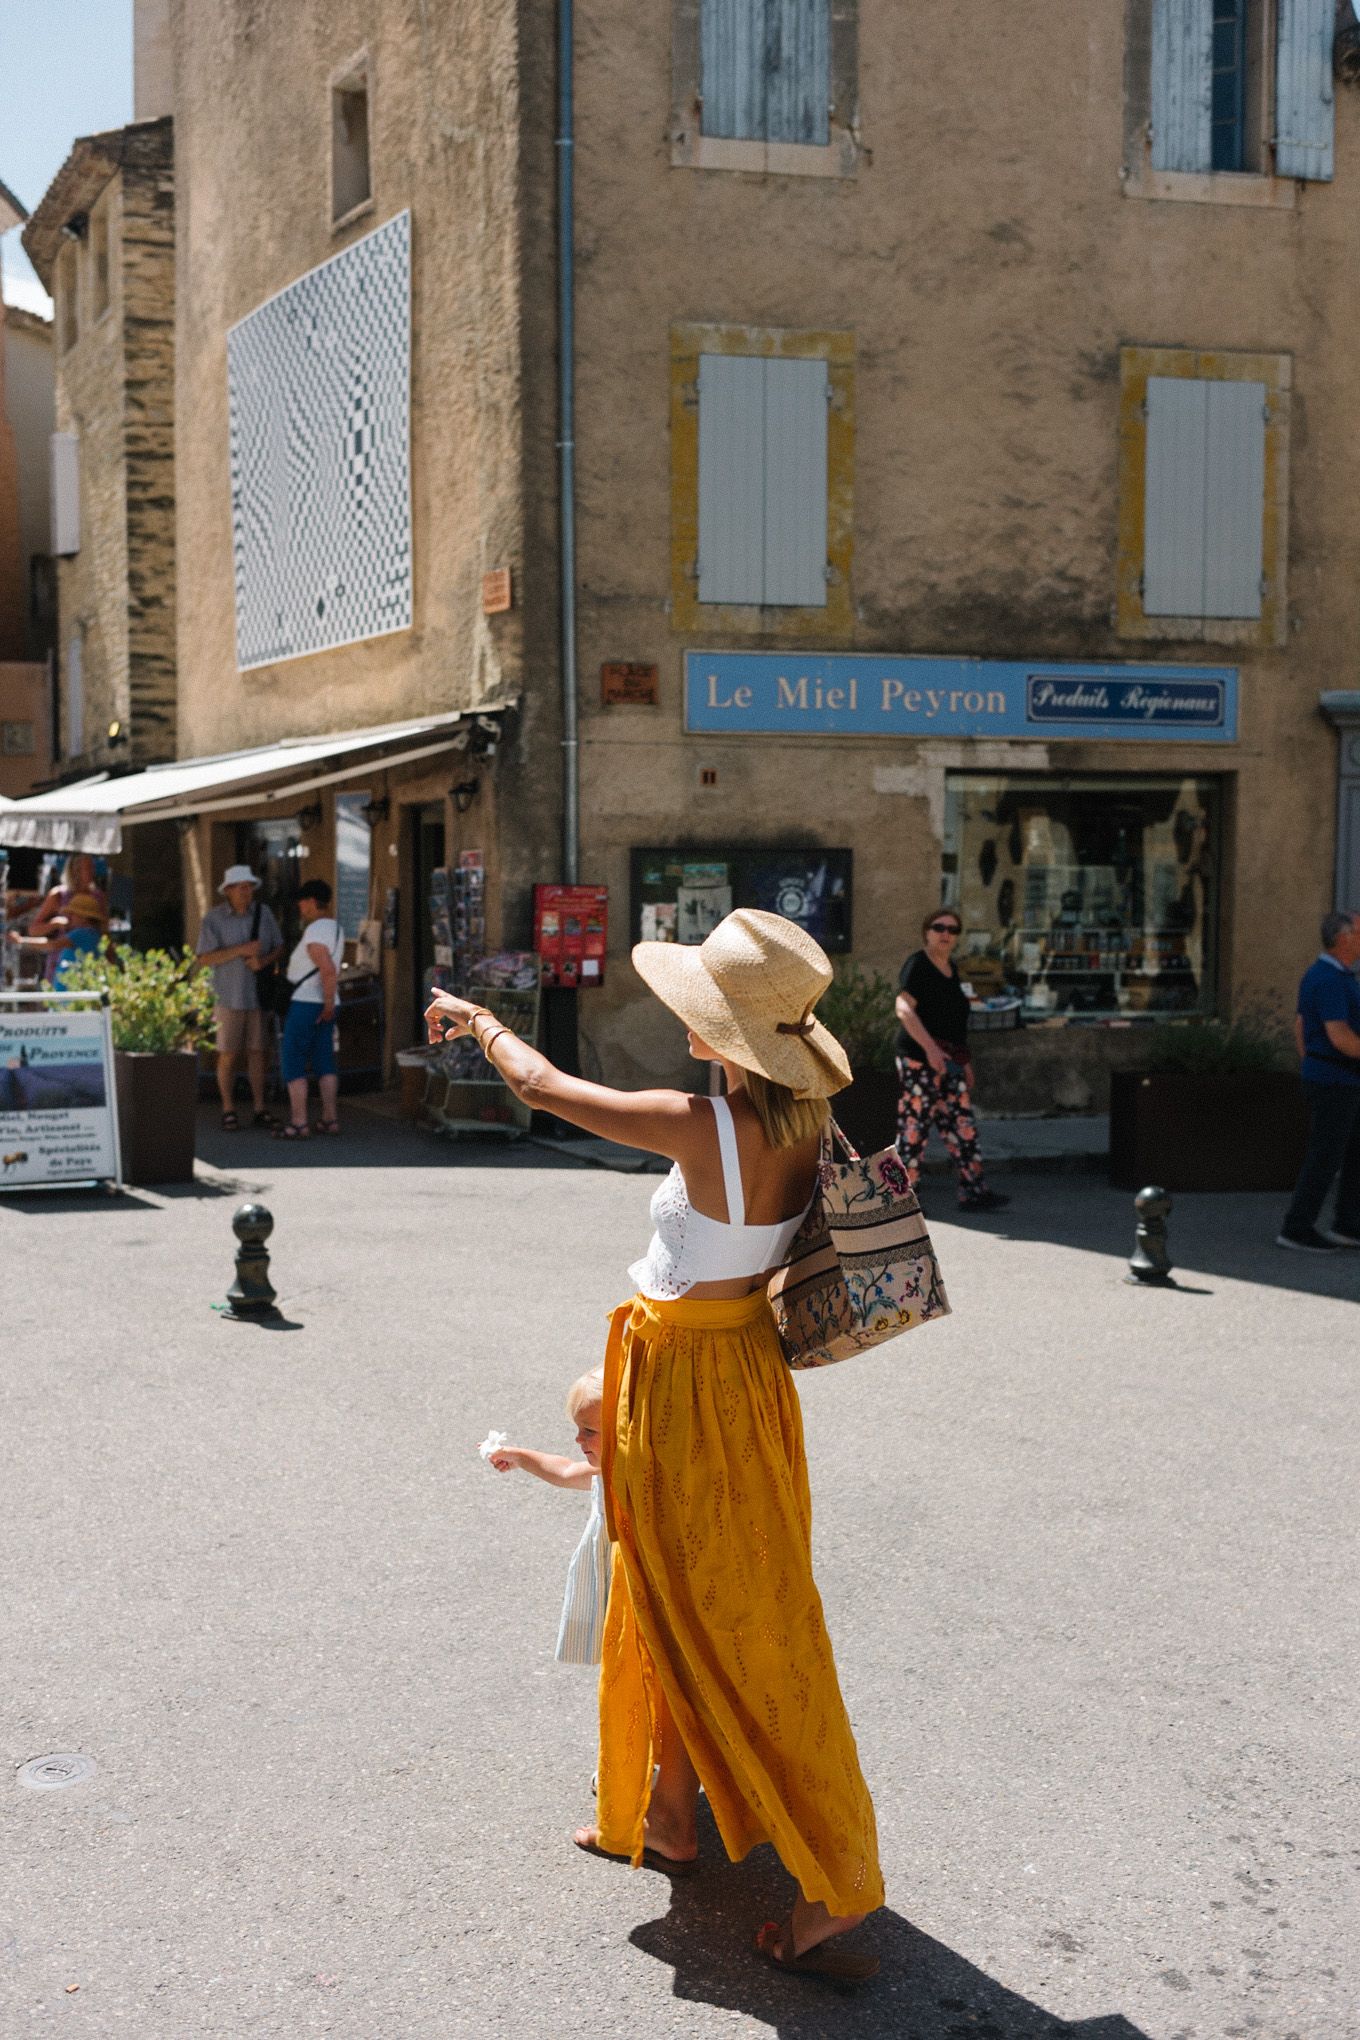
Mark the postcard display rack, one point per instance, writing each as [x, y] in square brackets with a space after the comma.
[463, 1094]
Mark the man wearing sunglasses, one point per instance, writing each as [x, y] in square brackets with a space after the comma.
[934, 1068]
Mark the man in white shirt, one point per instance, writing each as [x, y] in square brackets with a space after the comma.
[309, 1031]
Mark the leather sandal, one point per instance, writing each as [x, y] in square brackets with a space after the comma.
[230, 1123]
[265, 1118]
[823, 1958]
[291, 1132]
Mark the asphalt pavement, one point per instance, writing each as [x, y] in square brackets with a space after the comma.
[1088, 1554]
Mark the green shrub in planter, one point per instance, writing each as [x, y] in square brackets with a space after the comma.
[1253, 1043]
[156, 1005]
[858, 1007]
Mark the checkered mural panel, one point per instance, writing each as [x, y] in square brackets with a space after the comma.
[319, 382]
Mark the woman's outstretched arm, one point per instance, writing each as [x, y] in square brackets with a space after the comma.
[670, 1123]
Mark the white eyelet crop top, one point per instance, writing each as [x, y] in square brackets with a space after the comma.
[688, 1248]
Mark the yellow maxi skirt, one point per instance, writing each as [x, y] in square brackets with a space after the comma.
[713, 1602]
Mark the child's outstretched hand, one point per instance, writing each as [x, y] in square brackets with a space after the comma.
[492, 1444]
[506, 1458]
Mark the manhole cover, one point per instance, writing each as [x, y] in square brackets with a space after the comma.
[45, 1774]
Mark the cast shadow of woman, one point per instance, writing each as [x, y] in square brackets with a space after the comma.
[923, 1989]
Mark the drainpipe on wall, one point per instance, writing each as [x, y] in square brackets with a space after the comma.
[566, 448]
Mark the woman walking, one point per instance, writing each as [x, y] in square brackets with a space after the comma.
[934, 1068]
[717, 1665]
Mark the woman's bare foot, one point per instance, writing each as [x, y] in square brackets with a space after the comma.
[811, 1924]
[670, 1846]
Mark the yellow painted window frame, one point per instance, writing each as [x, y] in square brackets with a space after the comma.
[835, 620]
[1136, 364]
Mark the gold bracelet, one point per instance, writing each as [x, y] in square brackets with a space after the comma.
[487, 1046]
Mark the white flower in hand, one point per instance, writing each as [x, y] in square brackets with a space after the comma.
[494, 1442]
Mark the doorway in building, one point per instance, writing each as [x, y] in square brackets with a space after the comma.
[427, 824]
[272, 849]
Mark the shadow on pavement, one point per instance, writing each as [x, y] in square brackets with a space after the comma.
[923, 1989]
[1209, 1233]
[368, 1139]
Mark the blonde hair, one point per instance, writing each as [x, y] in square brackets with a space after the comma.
[585, 1394]
[785, 1119]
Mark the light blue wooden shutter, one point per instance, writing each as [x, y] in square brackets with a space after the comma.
[732, 54]
[1303, 90]
[65, 494]
[766, 70]
[1204, 498]
[1173, 499]
[798, 71]
[1182, 84]
[795, 483]
[1234, 498]
[731, 478]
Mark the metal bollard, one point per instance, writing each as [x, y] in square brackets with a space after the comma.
[1149, 1261]
[252, 1294]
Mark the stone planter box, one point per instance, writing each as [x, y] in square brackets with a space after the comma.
[867, 1112]
[157, 1114]
[1206, 1133]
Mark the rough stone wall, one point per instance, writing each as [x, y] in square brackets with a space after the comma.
[12, 576]
[92, 584]
[115, 391]
[989, 266]
[147, 269]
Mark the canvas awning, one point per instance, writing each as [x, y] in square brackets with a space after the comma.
[92, 814]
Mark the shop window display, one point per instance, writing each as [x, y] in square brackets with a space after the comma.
[1085, 896]
[681, 895]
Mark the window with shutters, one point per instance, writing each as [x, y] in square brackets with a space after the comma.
[766, 85]
[762, 482]
[1228, 100]
[1204, 457]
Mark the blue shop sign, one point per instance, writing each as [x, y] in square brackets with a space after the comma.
[845, 695]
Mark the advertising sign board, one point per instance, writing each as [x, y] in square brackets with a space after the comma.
[58, 1101]
[888, 694]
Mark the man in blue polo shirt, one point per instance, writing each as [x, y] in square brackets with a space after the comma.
[1327, 1031]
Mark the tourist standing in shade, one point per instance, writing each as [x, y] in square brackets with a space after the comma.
[934, 1068]
[1327, 1032]
[235, 942]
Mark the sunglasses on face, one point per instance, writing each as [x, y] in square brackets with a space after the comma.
[943, 928]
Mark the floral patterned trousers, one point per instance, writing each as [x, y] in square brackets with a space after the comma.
[945, 1100]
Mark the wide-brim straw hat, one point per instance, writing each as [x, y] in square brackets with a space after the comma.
[748, 992]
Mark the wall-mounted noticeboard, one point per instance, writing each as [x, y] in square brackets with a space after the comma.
[681, 895]
[58, 1099]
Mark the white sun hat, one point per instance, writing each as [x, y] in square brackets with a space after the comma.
[238, 874]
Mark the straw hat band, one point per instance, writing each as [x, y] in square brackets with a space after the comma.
[737, 990]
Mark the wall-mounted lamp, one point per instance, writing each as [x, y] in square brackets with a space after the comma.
[77, 227]
[309, 818]
[464, 794]
[117, 734]
[375, 811]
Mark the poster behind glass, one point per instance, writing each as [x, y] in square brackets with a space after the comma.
[353, 844]
[1086, 896]
[681, 895]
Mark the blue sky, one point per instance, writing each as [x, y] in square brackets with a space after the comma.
[68, 72]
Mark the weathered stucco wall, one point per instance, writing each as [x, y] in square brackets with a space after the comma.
[30, 402]
[447, 89]
[989, 266]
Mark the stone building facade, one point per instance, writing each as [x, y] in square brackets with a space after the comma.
[962, 476]
[103, 242]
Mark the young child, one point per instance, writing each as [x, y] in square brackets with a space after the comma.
[581, 1633]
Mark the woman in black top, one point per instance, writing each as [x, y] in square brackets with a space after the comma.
[933, 1065]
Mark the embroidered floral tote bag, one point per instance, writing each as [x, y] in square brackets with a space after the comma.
[861, 1268]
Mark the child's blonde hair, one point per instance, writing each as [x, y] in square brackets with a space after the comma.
[585, 1394]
